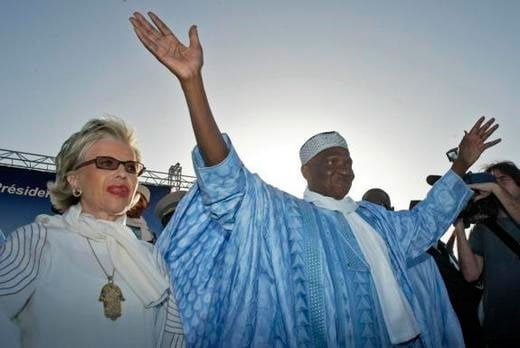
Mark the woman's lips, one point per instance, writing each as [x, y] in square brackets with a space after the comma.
[119, 190]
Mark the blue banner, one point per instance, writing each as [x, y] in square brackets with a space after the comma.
[24, 195]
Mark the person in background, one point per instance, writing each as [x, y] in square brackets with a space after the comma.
[379, 197]
[492, 254]
[82, 278]
[165, 208]
[134, 217]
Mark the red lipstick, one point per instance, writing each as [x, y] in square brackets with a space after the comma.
[119, 190]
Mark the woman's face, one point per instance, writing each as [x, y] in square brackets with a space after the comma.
[106, 194]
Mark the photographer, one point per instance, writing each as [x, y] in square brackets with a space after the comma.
[492, 252]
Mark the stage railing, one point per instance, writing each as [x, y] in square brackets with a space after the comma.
[44, 163]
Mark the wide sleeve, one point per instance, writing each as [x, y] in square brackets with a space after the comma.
[418, 229]
[222, 186]
[20, 265]
[217, 249]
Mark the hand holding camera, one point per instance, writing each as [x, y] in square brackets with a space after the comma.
[483, 190]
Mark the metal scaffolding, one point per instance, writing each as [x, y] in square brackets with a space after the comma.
[26, 160]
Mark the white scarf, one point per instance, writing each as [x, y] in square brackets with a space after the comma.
[131, 259]
[397, 313]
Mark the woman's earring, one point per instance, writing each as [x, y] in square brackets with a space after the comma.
[76, 192]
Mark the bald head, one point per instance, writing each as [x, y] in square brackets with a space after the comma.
[379, 197]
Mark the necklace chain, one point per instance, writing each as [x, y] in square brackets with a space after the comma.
[110, 278]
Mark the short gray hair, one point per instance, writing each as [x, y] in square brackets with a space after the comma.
[73, 150]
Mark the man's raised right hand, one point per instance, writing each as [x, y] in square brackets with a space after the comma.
[184, 61]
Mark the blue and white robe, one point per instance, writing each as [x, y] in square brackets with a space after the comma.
[253, 266]
[441, 326]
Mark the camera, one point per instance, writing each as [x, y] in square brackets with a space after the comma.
[483, 209]
[476, 211]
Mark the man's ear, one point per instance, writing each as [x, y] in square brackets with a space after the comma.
[305, 171]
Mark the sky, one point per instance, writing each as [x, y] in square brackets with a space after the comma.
[401, 80]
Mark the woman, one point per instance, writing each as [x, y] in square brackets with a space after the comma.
[82, 279]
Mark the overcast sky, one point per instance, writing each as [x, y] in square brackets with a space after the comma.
[401, 80]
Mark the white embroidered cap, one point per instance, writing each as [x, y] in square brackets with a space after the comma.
[144, 191]
[168, 204]
[320, 142]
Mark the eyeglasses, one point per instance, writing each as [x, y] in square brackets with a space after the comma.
[110, 163]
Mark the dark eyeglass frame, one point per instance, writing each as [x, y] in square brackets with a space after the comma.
[98, 161]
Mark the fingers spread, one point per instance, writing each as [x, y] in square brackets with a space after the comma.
[485, 126]
[490, 131]
[492, 143]
[163, 28]
[143, 37]
[477, 124]
[146, 26]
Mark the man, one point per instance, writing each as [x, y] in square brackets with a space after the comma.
[379, 197]
[254, 266]
[492, 256]
[135, 219]
[441, 326]
[166, 206]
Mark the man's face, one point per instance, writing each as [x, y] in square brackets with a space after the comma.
[330, 172]
[507, 183]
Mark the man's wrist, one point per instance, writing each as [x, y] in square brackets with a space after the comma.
[191, 79]
[459, 167]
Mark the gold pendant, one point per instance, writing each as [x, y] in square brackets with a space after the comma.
[111, 296]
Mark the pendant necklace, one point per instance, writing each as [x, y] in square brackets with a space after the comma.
[111, 295]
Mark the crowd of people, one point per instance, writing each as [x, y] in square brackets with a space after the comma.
[243, 264]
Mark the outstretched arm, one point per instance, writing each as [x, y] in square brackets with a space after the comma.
[422, 226]
[185, 62]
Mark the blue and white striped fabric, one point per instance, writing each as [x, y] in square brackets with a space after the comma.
[253, 266]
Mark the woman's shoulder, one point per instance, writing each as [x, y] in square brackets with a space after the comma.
[21, 256]
[31, 234]
[33, 239]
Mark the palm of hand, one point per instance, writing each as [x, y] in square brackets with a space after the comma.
[471, 147]
[474, 143]
[181, 60]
